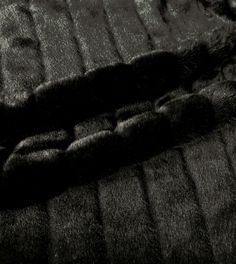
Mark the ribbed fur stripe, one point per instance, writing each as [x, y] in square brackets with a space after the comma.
[215, 185]
[91, 31]
[20, 55]
[76, 230]
[176, 211]
[24, 235]
[129, 230]
[55, 30]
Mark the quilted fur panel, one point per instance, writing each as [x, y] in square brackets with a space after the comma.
[117, 138]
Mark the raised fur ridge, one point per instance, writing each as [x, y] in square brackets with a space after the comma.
[115, 139]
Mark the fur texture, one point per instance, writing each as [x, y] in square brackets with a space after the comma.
[117, 139]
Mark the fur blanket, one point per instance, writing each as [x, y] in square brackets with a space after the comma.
[118, 134]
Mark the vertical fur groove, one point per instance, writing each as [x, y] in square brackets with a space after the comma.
[144, 188]
[193, 185]
[40, 53]
[83, 69]
[100, 220]
[222, 139]
[110, 34]
[149, 37]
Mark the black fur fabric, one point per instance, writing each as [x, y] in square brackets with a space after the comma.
[117, 138]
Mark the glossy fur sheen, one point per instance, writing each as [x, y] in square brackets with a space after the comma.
[117, 138]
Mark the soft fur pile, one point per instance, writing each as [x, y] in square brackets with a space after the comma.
[117, 139]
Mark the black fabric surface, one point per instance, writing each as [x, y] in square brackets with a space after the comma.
[117, 137]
